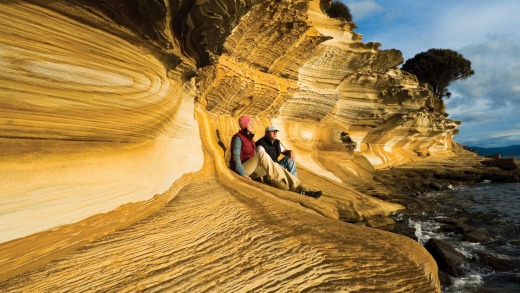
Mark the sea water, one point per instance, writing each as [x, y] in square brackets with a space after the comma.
[489, 206]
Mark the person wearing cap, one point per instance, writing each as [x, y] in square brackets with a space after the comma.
[249, 163]
[272, 146]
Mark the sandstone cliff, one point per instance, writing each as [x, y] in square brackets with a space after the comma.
[115, 128]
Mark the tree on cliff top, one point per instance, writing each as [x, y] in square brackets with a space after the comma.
[338, 9]
[439, 68]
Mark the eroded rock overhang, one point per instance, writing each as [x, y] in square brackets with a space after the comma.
[100, 99]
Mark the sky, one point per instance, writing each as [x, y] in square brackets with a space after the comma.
[485, 32]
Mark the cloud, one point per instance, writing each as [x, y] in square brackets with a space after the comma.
[497, 72]
[507, 133]
[467, 22]
[488, 128]
[472, 117]
[363, 9]
[492, 94]
[485, 32]
[495, 139]
[488, 102]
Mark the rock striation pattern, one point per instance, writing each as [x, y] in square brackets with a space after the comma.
[116, 118]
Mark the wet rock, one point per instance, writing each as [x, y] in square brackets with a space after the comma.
[504, 164]
[436, 186]
[504, 176]
[445, 279]
[470, 234]
[457, 222]
[476, 235]
[447, 258]
[403, 229]
[499, 264]
[450, 229]
[451, 226]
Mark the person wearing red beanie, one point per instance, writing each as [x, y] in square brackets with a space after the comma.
[244, 121]
[251, 164]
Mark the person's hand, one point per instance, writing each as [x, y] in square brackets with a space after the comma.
[245, 176]
[292, 155]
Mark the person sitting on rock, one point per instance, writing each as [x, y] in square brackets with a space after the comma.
[271, 144]
[251, 164]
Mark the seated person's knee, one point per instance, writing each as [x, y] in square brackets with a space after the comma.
[263, 155]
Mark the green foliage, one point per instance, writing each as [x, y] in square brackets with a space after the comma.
[439, 68]
[338, 9]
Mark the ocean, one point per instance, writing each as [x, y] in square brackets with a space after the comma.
[492, 207]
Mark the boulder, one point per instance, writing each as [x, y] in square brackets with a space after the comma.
[451, 226]
[499, 264]
[504, 164]
[447, 258]
[435, 186]
[476, 235]
[456, 229]
[445, 279]
[404, 229]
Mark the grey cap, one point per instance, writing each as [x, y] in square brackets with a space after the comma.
[271, 128]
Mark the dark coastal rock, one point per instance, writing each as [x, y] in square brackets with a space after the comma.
[504, 164]
[403, 229]
[451, 226]
[436, 186]
[455, 222]
[504, 176]
[499, 264]
[470, 234]
[476, 235]
[445, 279]
[450, 229]
[447, 258]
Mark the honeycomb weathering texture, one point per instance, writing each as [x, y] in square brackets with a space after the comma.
[116, 119]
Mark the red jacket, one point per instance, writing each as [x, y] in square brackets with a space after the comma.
[246, 152]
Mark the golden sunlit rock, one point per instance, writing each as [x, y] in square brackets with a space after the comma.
[115, 126]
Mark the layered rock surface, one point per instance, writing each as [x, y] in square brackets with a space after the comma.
[115, 130]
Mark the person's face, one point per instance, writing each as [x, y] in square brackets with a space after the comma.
[272, 135]
[250, 127]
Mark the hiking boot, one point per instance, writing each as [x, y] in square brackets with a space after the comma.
[302, 189]
[312, 193]
[277, 184]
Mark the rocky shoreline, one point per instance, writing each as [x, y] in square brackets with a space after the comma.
[403, 184]
[409, 182]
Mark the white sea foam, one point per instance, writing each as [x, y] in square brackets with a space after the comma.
[464, 284]
[468, 248]
[473, 278]
[424, 230]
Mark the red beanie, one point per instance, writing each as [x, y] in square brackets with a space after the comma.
[243, 121]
